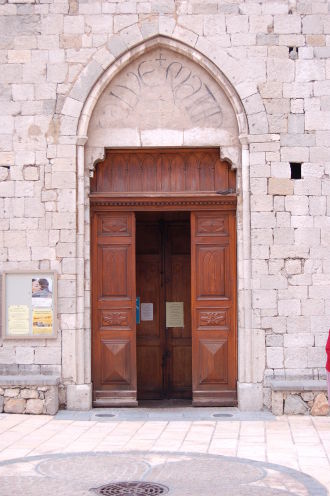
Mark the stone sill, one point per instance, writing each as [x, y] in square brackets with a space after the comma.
[301, 385]
[29, 380]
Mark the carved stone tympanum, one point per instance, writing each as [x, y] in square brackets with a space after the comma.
[162, 90]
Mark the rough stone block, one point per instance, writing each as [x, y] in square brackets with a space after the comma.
[296, 124]
[273, 282]
[261, 203]
[287, 24]
[311, 24]
[214, 24]
[275, 357]
[289, 307]
[293, 266]
[264, 298]
[24, 355]
[295, 358]
[29, 394]
[280, 186]
[298, 91]
[34, 406]
[262, 219]
[317, 120]
[31, 173]
[280, 70]
[298, 340]
[50, 355]
[307, 237]
[274, 340]
[237, 24]
[297, 205]
[14, 405]
[320, 406]
[11, 392]
[74, 25]
[261, 23]
[51, 401]
[277, 403]
[310, 70]
[79, 397]
[1, 403]
[262, 236]
[294, 405]
[283, 235]
[307, 396]
[250, 396]
[316, 357]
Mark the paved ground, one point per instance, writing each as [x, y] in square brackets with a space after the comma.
[185, 451]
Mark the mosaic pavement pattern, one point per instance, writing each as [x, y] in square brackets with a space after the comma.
[183, 474]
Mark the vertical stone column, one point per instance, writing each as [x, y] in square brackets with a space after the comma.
[79, 395]
[248, 388]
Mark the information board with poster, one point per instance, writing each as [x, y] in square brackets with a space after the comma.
[29, 305]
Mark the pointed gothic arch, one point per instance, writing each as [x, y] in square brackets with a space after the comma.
[87, 91]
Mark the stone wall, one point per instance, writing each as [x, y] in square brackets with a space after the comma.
[33, 394]
[300, 403]
[275, 54]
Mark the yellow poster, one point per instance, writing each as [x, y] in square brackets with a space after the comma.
[18, 320]
[42, 321]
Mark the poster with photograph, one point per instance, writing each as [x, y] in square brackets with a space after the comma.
[42, 295]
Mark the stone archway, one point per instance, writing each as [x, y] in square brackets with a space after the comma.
[232, 141]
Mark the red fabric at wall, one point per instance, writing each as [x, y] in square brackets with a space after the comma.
[327, 348]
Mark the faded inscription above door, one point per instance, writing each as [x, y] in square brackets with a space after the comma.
[162, 90]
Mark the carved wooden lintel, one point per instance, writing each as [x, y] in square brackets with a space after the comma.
[213, 202]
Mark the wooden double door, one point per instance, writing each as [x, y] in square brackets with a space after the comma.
[163, 331]
[173, 260]
[163, 229]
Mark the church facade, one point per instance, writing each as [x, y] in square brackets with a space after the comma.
[164, 167]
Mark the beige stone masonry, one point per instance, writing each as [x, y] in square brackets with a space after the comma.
[59, 64]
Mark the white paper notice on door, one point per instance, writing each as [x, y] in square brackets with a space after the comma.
[147, 311]
[174, 314]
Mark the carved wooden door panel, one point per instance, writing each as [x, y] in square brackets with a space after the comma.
[213, 308]
[113, 306]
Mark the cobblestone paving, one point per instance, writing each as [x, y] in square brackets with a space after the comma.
[73, 453]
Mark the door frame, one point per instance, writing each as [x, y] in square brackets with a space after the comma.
[131, 202]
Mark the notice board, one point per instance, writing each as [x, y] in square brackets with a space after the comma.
[29, 305]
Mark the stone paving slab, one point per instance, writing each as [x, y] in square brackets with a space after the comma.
[33, 448]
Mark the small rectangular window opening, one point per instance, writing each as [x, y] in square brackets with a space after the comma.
[293, 53]
[295, 170]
